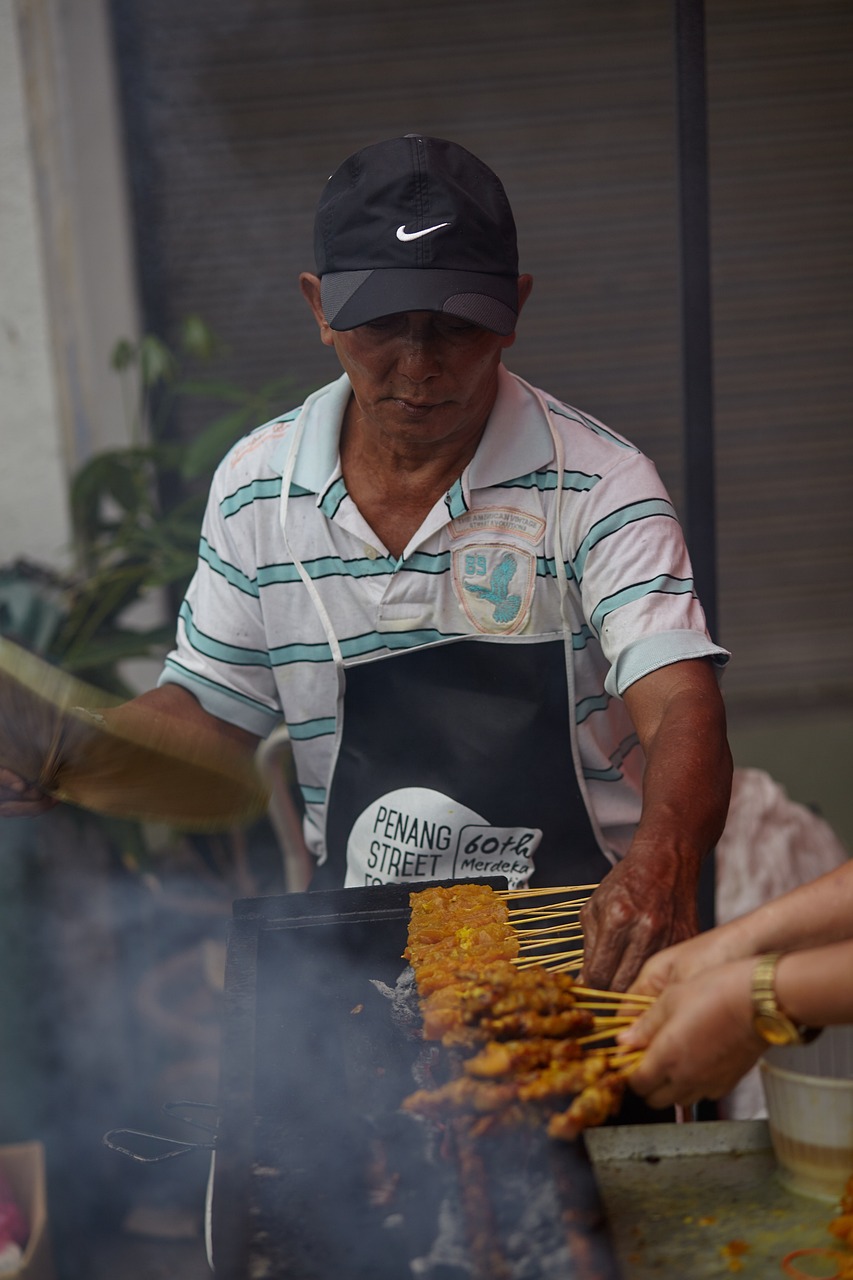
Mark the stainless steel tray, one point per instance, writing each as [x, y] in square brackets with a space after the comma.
[677, 1195]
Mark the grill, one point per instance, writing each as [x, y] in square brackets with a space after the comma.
[317, 1174]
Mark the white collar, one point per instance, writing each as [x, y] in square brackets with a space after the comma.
[517, 439]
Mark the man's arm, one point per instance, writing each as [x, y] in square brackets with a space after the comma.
[648, 900]
[174, 702]
[20, 797]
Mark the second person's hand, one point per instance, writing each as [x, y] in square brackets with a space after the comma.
[698, 1037]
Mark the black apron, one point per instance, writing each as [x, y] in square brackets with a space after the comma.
[476, 727]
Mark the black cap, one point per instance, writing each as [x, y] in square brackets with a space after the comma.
[416, 224]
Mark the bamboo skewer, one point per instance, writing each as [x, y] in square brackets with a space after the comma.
[624, 996]
[529, 916]
[552, 931]
[623, 1061]
[507, 894]
[597, 1004]
[603, 1033]
[547, 961]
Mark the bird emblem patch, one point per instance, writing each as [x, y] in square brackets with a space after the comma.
[494, 585]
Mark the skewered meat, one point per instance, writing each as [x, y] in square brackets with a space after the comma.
[517, 1031]
[592, 1106]
[571, 1022]
[462, 1094]
[508, 1057]
[561, 1080]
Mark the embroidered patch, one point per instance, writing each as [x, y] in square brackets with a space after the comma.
[494, 584]
[488, 520]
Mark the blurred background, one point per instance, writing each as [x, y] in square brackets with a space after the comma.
[159, 166]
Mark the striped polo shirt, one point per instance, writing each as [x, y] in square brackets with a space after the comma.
[254, 647]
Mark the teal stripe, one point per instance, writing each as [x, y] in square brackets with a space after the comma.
[580, 639]
[210, 648]
[587, 706]
[664, 584]
[455, 500]
[356, 646]
[333, 497]
[248, 494]
[309, 729]
[313, 795]
[221, 688]
[614, 773]
[326, 567]
[574, 415]
[545, 481]
[421, 562]
[546, 567]
[232, 575]
[603, 775]
[617, 520]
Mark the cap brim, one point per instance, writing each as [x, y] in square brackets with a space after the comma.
[351, 298]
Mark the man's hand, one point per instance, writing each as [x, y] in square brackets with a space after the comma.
[21, 799]
[647, 902]
[699, 1038]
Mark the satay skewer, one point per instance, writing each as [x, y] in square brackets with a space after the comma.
[539, 893]
[571, 929]
[622, 1061]
[546, 960]
[624, 996]
[542, 922]
[598, 1004]
[616, 1024]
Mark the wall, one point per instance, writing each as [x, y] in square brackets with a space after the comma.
[32, 478]
[67, 281]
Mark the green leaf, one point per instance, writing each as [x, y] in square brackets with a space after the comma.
[208, 388]
[156, 361]
[211, 445]
[117, 646]
[123, 355]
[198, 339]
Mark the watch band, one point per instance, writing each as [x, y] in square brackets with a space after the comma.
[770, 1021]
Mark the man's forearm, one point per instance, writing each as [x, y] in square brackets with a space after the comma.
[176, 703]
[687, 779]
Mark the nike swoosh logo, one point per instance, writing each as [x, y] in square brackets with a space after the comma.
[403, 234]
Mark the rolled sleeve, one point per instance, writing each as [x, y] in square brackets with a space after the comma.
[652, 652]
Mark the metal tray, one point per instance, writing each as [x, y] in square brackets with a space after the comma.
[677, 1195]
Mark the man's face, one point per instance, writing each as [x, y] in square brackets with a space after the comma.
[420, 378]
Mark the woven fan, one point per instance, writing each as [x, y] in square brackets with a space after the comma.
[76, 745]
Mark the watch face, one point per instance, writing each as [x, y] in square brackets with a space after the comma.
[776, 1029]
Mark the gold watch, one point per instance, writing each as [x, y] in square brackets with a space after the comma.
[772, 1023]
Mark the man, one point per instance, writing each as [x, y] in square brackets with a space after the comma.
[471, 604]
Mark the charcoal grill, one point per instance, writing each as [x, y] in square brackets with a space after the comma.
[318, 1175]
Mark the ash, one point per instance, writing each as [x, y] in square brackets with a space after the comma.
[533, 1244]
[405, 1005]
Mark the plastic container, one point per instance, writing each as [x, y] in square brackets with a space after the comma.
[809, 1094]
